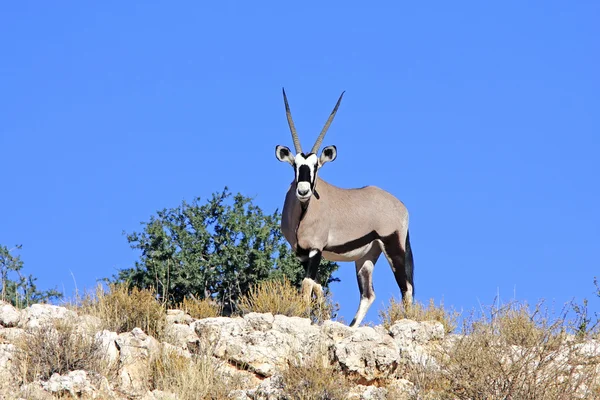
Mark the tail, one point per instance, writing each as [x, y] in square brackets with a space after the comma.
[409, 265]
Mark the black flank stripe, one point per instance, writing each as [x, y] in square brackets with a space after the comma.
[353, 244]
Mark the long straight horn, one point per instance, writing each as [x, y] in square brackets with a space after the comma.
[324, 130]
[288, 114]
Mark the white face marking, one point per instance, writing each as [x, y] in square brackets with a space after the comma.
[313, 253]
[304, 187]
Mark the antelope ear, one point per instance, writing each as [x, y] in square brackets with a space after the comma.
[284, 154]
[329, 153]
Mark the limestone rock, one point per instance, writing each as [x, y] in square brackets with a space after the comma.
[362, 392]
[335, 331]
[406, 330]
[37, 315]
[259, 322]
[269, 389]
[159, 395]
[367, 354]
[7, 376]
[75, 383]
[180, 335]
[11, 335]
[9, 315]
[590, 348]
[108, 343]
[178, 317]
[261, 342]
[135, 351]
[416, 339]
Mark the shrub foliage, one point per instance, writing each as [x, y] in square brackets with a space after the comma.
[217, 250]
[18, 289]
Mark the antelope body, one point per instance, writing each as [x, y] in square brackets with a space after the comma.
[322, 220]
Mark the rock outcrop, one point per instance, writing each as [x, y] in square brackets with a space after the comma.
[254, 349]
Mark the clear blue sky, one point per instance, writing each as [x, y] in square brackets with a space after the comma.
[483, 118]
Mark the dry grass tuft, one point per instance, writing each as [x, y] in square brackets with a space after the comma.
[199, 377]
[418, 312]
[315, 379]
[58, 347]
[513, 353]
[279, 296]
[200, 309]
[122, 308]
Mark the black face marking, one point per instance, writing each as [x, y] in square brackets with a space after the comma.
[303, 174]
[328, 153]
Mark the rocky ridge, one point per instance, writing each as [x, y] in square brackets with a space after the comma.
[254, 349]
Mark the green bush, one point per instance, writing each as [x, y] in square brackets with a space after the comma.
[216, 250]
[18, 289]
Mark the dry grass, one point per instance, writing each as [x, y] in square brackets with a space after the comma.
[418, 312]
[281, 297]
[199, 377]
[315, 378]
[58, 347]
[122, 308]
[512, 353]
[199, 309]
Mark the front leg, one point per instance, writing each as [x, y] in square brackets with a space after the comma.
[311, 261]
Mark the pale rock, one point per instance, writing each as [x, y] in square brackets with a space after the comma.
[335, 331]
[260, 341]
[169, 348]
[243, 377]
[9, 315]
[239, 394]
[135, 351]
[259, 322]
[7, 375]
[37, 315]
[590, 348]
[108, 344]
[362, 392]
[180, 335]
[212, 329]
[367, 353]
[159, 395]
[415, 340]
[178, 317]
[269, 389]
[406, 330]
[11, 335]
[294, 325]
[75, 383]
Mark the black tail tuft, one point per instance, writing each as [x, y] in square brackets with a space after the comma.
[409, 265]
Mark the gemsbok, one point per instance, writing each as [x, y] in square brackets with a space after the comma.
[322, 220]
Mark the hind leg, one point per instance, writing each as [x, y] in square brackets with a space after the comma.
[396, 256]
[364, 275]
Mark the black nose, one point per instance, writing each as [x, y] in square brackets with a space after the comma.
[302, 192]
